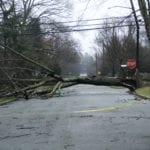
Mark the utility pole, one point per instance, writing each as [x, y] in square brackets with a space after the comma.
[96, 67]
[103, 57]
[137, 43]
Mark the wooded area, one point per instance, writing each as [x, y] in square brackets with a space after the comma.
[37, 52]
[27, 51]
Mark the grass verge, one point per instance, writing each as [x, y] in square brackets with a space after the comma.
[144, 91]
[6, 100]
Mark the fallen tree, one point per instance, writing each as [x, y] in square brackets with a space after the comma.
[51, 72]
[48, 88]
[50, 84]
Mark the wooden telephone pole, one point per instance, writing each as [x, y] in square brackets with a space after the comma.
[137, 43]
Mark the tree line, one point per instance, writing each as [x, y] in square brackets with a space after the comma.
[116, 45]
[22, 28]
[35, 46]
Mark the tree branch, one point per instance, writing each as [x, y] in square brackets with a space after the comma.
[52, 73]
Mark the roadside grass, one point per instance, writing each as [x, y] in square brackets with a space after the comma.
[144, 91]
[6, 100]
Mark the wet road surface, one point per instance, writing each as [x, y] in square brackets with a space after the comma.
[85, 117]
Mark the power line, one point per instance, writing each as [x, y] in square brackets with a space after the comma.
[100, 28]
[75, 21]
[95, 24]
[86, 20]
[61, 29]
[73, 26]
[79, 30]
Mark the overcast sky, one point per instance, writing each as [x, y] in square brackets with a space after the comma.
[92, 9]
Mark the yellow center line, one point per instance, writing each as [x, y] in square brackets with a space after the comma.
[111, 108]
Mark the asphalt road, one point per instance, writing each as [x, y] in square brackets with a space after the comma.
[85, 117]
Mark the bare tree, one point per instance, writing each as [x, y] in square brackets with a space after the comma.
[144, 6]
[115, 48]
[22, 41]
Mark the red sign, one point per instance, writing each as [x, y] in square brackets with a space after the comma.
[131, 63]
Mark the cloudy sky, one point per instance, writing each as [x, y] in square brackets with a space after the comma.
[93, 9]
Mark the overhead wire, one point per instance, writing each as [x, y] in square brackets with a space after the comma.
[60, 27]
[79, 30]
[86, 20]
[91, 24]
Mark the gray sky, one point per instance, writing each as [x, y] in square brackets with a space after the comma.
[96, 9]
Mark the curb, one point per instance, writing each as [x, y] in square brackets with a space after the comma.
[141, 96]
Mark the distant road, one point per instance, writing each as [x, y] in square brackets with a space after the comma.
[85, 117]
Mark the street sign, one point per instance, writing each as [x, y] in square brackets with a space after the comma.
[131, 63]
